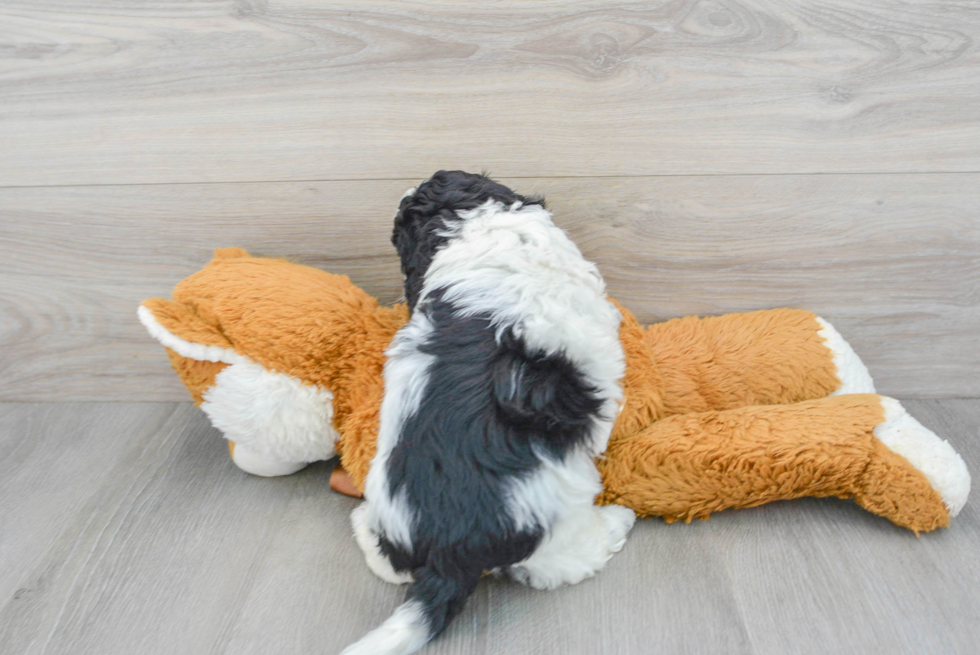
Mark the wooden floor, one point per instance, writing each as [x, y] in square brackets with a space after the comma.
[124, 528]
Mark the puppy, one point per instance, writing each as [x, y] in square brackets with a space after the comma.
[499, 392]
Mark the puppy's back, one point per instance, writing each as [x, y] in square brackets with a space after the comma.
[521, 366]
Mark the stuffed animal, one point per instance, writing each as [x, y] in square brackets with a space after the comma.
[721, 412]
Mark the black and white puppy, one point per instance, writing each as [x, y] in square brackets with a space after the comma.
[499, 392]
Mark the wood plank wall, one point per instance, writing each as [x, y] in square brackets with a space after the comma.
[712, 156]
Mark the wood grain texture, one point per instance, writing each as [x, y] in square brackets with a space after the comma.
[164, 546]
[892, 260]
[140, 549]
[134, 91]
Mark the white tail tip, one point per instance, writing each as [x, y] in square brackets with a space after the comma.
[405, 632]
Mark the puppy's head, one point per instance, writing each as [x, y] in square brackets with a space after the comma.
[427, 211]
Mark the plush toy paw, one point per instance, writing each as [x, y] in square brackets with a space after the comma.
[342, 483]
[913, 478]
[934, 457]
[256, 464]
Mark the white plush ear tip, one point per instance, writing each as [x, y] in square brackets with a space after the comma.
[255, 464]
[184, 348]
[934, 457]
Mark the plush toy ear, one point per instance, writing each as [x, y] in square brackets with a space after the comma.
[542, 394]
[197, 350]
[230, 253]
[179, 328]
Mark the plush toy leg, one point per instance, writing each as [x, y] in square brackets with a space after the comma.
[771, 357]
[849, 369]
[853, 446]
[900, 441]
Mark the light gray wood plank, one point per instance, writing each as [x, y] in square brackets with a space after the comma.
[166, 547]
[132, 91]
[892, 260]
[315, 592]
[50, 466]
[157, 553]
[668, 591]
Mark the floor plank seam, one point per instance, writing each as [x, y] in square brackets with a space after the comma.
[503, 176]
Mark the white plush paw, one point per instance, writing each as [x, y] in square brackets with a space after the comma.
[619, 520]
[256, 464]
[851, 371]
[935, 457]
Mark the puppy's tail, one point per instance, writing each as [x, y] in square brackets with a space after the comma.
[430, 603]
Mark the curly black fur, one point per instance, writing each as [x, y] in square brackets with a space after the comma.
[424, 215]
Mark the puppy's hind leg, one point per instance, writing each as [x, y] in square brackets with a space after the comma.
[369, 542]
[576, 547]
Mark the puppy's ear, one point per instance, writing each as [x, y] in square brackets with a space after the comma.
[542, 393]
[417, 237]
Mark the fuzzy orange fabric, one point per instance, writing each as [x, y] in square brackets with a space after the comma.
[643, 385]
[899, 492]
[718, 413]
[690, 465]
[198, 376]
[767, 357]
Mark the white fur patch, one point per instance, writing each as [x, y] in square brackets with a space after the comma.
[576, 547]
[554, 491]
[263, 466]
[851, 371]
[272, 415]
[580, 537]
[404, 632]
[935, 457]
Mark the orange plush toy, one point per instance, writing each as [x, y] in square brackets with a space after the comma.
[723, 412]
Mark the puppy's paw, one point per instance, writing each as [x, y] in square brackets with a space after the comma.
[619, 521]
[577, 547]
[368, 542]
